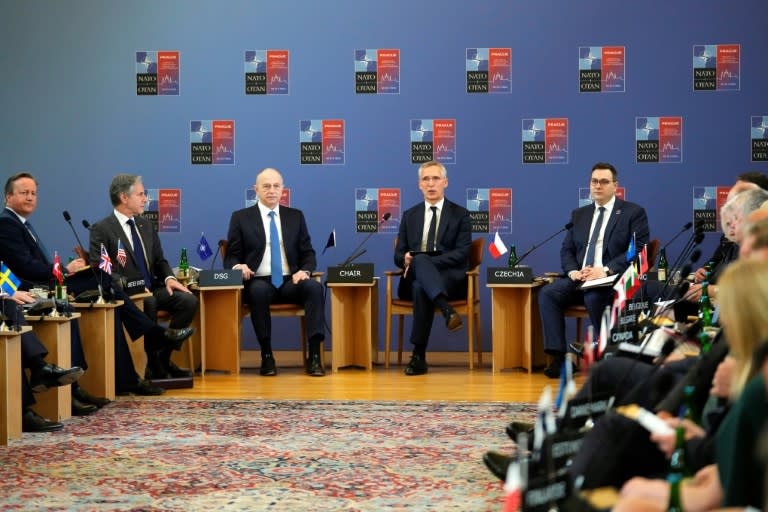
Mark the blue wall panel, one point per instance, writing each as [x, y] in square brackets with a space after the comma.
[71, 116]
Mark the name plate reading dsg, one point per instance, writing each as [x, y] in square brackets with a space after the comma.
[510, 275]
[355, 273]
[223, 277]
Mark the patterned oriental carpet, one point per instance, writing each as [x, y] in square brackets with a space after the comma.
[180, 454]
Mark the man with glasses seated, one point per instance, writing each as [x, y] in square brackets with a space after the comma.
[595, 247]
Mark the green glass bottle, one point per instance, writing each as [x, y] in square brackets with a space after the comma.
[705, 342]
[708, 268]
[183, 264]
[662, 266]
[705, 306]
[512, 261]
[678, 469]
[675, 503]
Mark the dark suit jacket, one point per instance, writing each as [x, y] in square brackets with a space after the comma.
[22, 254]
[626, 219]
[108, 231]
[247, 240]
[454, 236]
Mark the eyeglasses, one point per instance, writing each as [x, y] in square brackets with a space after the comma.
[431, 178]
[604, 182]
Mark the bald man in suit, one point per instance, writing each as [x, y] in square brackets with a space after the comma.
[270, 243]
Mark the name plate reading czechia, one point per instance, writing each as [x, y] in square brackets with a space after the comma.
[510, 275]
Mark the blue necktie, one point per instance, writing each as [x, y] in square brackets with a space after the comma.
[39, 241]
[593, 239]
[274, 251]
[138, 255]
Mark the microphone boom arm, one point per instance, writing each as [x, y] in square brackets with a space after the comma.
[536, 246]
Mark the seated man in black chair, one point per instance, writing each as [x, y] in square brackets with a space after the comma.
[595, 247]
[270, 243]
[143, 256]
[433, 247]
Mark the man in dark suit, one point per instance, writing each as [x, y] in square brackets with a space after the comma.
[143, 257]
[22, 249]
[433, 247]
[595, 247]
[271, 245]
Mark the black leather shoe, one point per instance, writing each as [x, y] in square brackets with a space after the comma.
[87, 398]
[155, 370]
[497, 464]
[177, 336]
[416, 366]
[453, 321]
[518, 427]
[268, 367]
[51, 376]
[178, 373]
[314, 366]
[82, 409]
[145, 388]
[555, 366]
[33, 422]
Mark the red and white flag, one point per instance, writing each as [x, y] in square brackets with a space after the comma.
[643, 260]
[57, 273]
[588, 352]
[513, 487]
[602, 341]
[497, 247]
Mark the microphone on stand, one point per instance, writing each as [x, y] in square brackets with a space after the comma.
[686, 227]
[86, 224]
[359, 250]
[696, 239]
[536, 246]
[79, 249]
[216, 254]
[82, 254]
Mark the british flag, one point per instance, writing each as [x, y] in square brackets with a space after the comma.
[105, 263]
[122, 257]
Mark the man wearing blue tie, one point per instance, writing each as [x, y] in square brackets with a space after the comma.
[593, 248]
[270, 243]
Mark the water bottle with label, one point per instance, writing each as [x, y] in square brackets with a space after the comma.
[183, 264]
[512, 261]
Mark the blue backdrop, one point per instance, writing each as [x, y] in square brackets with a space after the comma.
[71, 116]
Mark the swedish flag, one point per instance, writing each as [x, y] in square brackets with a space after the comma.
[8, 282]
